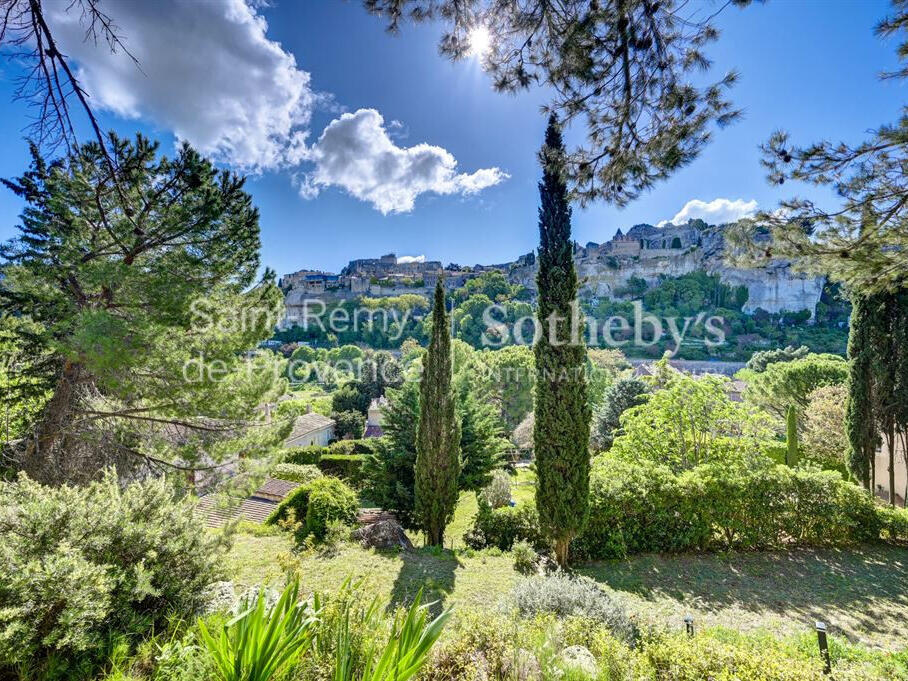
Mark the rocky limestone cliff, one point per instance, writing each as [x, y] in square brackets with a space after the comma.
[603, 269]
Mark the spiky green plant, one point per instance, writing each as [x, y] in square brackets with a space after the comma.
[404, 653]
[259, 642]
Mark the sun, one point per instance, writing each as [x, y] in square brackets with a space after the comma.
[480, 41]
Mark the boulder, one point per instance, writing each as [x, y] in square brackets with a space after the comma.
[580, 659]
[384, 534]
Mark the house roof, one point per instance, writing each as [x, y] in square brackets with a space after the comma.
[275, 489]
[254, 509]
[373, 430]
[309, 423]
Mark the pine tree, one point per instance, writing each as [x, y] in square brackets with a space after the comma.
[438, 439]
[562, 415]
[389, 472]
[482, 444]
[860, 423]
[139, 291]
[791, 424]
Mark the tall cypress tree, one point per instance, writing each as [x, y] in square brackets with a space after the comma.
[791, 425]
[438, 438]
[562, 415]
[860, 422]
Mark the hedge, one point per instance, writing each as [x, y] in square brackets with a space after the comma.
[643, 507]
[637, 507]
[304, 456]
[295, 472]
[346, 466]
[501, 527]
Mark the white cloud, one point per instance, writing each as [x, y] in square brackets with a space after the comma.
[410, 258]
[356, 153]
[207, 72]
[715, 212]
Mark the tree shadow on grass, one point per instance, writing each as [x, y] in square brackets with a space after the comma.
[861, 589]
[430, 569]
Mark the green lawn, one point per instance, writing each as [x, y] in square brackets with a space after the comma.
[861, 593]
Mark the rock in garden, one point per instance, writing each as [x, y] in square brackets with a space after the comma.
[384, 534]
[581, 659]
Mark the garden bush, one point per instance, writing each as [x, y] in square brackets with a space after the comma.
[501, 527]
[567, 596]
[641, 506]
[524, 556]
[708, 656]
[893, 523]
[297, 501]
[498, 492]
[361, 446]
[80, 566]
[346, 466]
[330, 500]
[296, 472]
[304, 455]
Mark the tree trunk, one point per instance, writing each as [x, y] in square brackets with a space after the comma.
[890, 441]
[562, 545]
[45, 452]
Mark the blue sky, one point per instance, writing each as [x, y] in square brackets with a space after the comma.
[806, 66]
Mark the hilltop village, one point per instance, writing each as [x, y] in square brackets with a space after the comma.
[644, 251]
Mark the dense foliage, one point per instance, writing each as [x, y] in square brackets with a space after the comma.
[561, 429]
[783, 384]
[691, 421]
[644, 506]
[79, 565]
[621, 396]
[138, 289]
[438, 434]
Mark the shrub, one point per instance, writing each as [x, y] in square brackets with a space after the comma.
[498, 492]
[524, 556]
[351, 423]
[297, 501]
[567, 596]
[709, 656]
[296, 472]
[640, 507]
[304, 455]
[500, 527]
[79, 565]
[346, 466]
[330, 500]
[893, 523]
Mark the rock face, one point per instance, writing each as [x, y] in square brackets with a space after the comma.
[605, 268]
[385, 534]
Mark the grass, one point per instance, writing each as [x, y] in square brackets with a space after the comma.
[861, 593]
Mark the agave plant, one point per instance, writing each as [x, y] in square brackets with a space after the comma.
[261, 641]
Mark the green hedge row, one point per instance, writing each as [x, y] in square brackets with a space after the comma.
[637, 507]
[644, 507]
[342, 459]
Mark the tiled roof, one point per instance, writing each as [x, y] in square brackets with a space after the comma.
[254, 509]
[309, 423]
[275, 489]
[373, 431]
